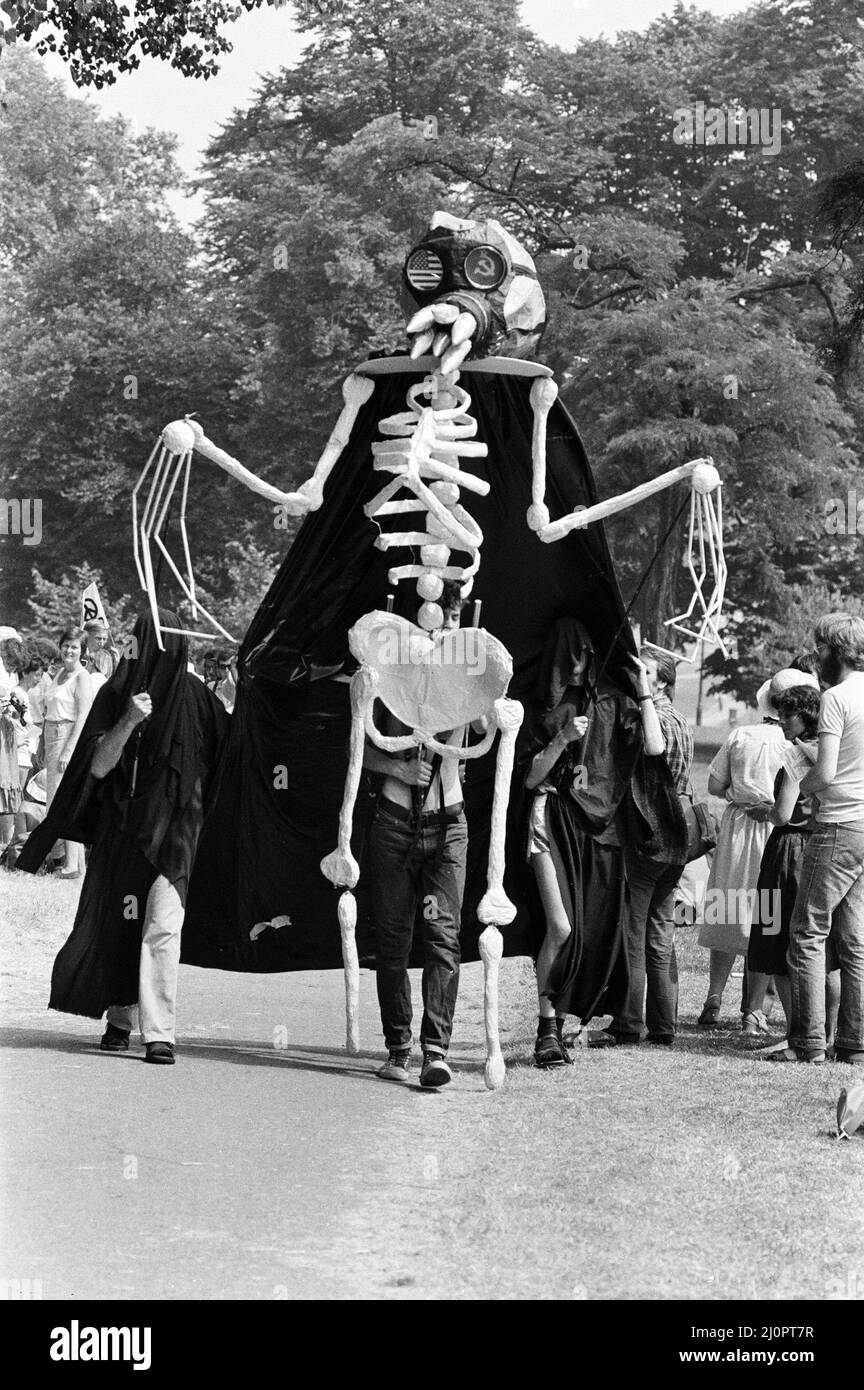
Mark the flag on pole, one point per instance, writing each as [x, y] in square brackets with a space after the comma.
[91, 606]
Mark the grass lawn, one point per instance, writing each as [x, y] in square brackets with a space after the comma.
[701, 1172]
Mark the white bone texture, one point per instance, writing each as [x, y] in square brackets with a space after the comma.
[491, 949]
[347, 913]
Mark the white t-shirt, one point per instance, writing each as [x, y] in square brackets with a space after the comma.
[842, 712]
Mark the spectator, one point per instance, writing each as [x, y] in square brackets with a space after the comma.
[831, 892]
[67, 703]
[653, 875]
[792, 817]
[99, 659]
[211, 674]
[14, 715]
[743, 772]
[225, 687]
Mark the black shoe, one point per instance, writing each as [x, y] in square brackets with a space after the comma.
[852, 1059]
[114, 1039]
[559, 1028]
[434, 1071]
[626, 1039]
[549, 1051]
[160, 1052]
[662, 1039]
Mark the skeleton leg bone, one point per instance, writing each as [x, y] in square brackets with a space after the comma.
[340, 867]
[495, 907]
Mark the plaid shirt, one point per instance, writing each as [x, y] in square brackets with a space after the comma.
[679, 741]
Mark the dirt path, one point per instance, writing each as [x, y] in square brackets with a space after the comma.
[268, 1165]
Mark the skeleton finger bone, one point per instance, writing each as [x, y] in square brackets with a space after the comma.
[420, 321]
[422, 343]
[463, 328]
[454, 357]
[445, 313]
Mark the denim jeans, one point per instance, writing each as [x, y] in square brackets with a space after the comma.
[404, 865]
[650, 942]
[831, 886]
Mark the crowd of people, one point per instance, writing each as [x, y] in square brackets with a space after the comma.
[608, 777]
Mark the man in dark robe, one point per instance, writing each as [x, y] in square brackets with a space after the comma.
[586, 737]
[136, 790]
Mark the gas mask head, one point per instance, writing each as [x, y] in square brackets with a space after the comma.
[483, 271]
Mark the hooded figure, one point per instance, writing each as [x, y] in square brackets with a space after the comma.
[583, 809]
[142, 819]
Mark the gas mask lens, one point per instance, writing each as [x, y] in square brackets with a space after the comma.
[424, 270]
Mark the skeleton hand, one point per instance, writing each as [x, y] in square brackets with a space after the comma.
[445, 330]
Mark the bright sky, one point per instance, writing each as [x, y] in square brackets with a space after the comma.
[265, 40]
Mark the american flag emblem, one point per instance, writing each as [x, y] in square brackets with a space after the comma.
[424, 270]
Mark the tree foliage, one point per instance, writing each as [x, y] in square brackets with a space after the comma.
[100, 38]
[697, 305]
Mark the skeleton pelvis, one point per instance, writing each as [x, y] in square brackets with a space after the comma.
[432, 685]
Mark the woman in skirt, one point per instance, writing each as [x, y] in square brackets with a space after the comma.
[779, 872]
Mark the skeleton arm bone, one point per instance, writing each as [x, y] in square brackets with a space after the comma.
[578, 520]
[356, 390]
[544, 393]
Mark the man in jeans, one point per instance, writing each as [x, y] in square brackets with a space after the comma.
[418, 845]
[832, 871]
[653, 879]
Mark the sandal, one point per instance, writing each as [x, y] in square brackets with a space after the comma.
[548, 1051]
[711, 1012]
[788, 1054]
[559, 1027]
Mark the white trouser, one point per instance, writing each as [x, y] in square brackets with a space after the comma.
[158, 969]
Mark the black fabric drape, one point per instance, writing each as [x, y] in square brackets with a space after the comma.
[136, 837]
[281, 788]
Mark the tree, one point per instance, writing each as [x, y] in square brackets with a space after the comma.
[689, 310]
[56, 604]
[108, 332]
[99, 38]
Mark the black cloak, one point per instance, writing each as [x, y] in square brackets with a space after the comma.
[277, 807]
[584, 818]
[143, 819]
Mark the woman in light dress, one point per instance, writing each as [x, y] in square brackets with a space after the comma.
[743, 772]
[66, 703]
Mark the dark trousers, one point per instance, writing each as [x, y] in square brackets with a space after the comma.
[405, 863]
[652, 997]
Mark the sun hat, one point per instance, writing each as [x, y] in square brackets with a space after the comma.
[784, 680]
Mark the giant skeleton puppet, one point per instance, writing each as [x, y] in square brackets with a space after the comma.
[458, 462]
